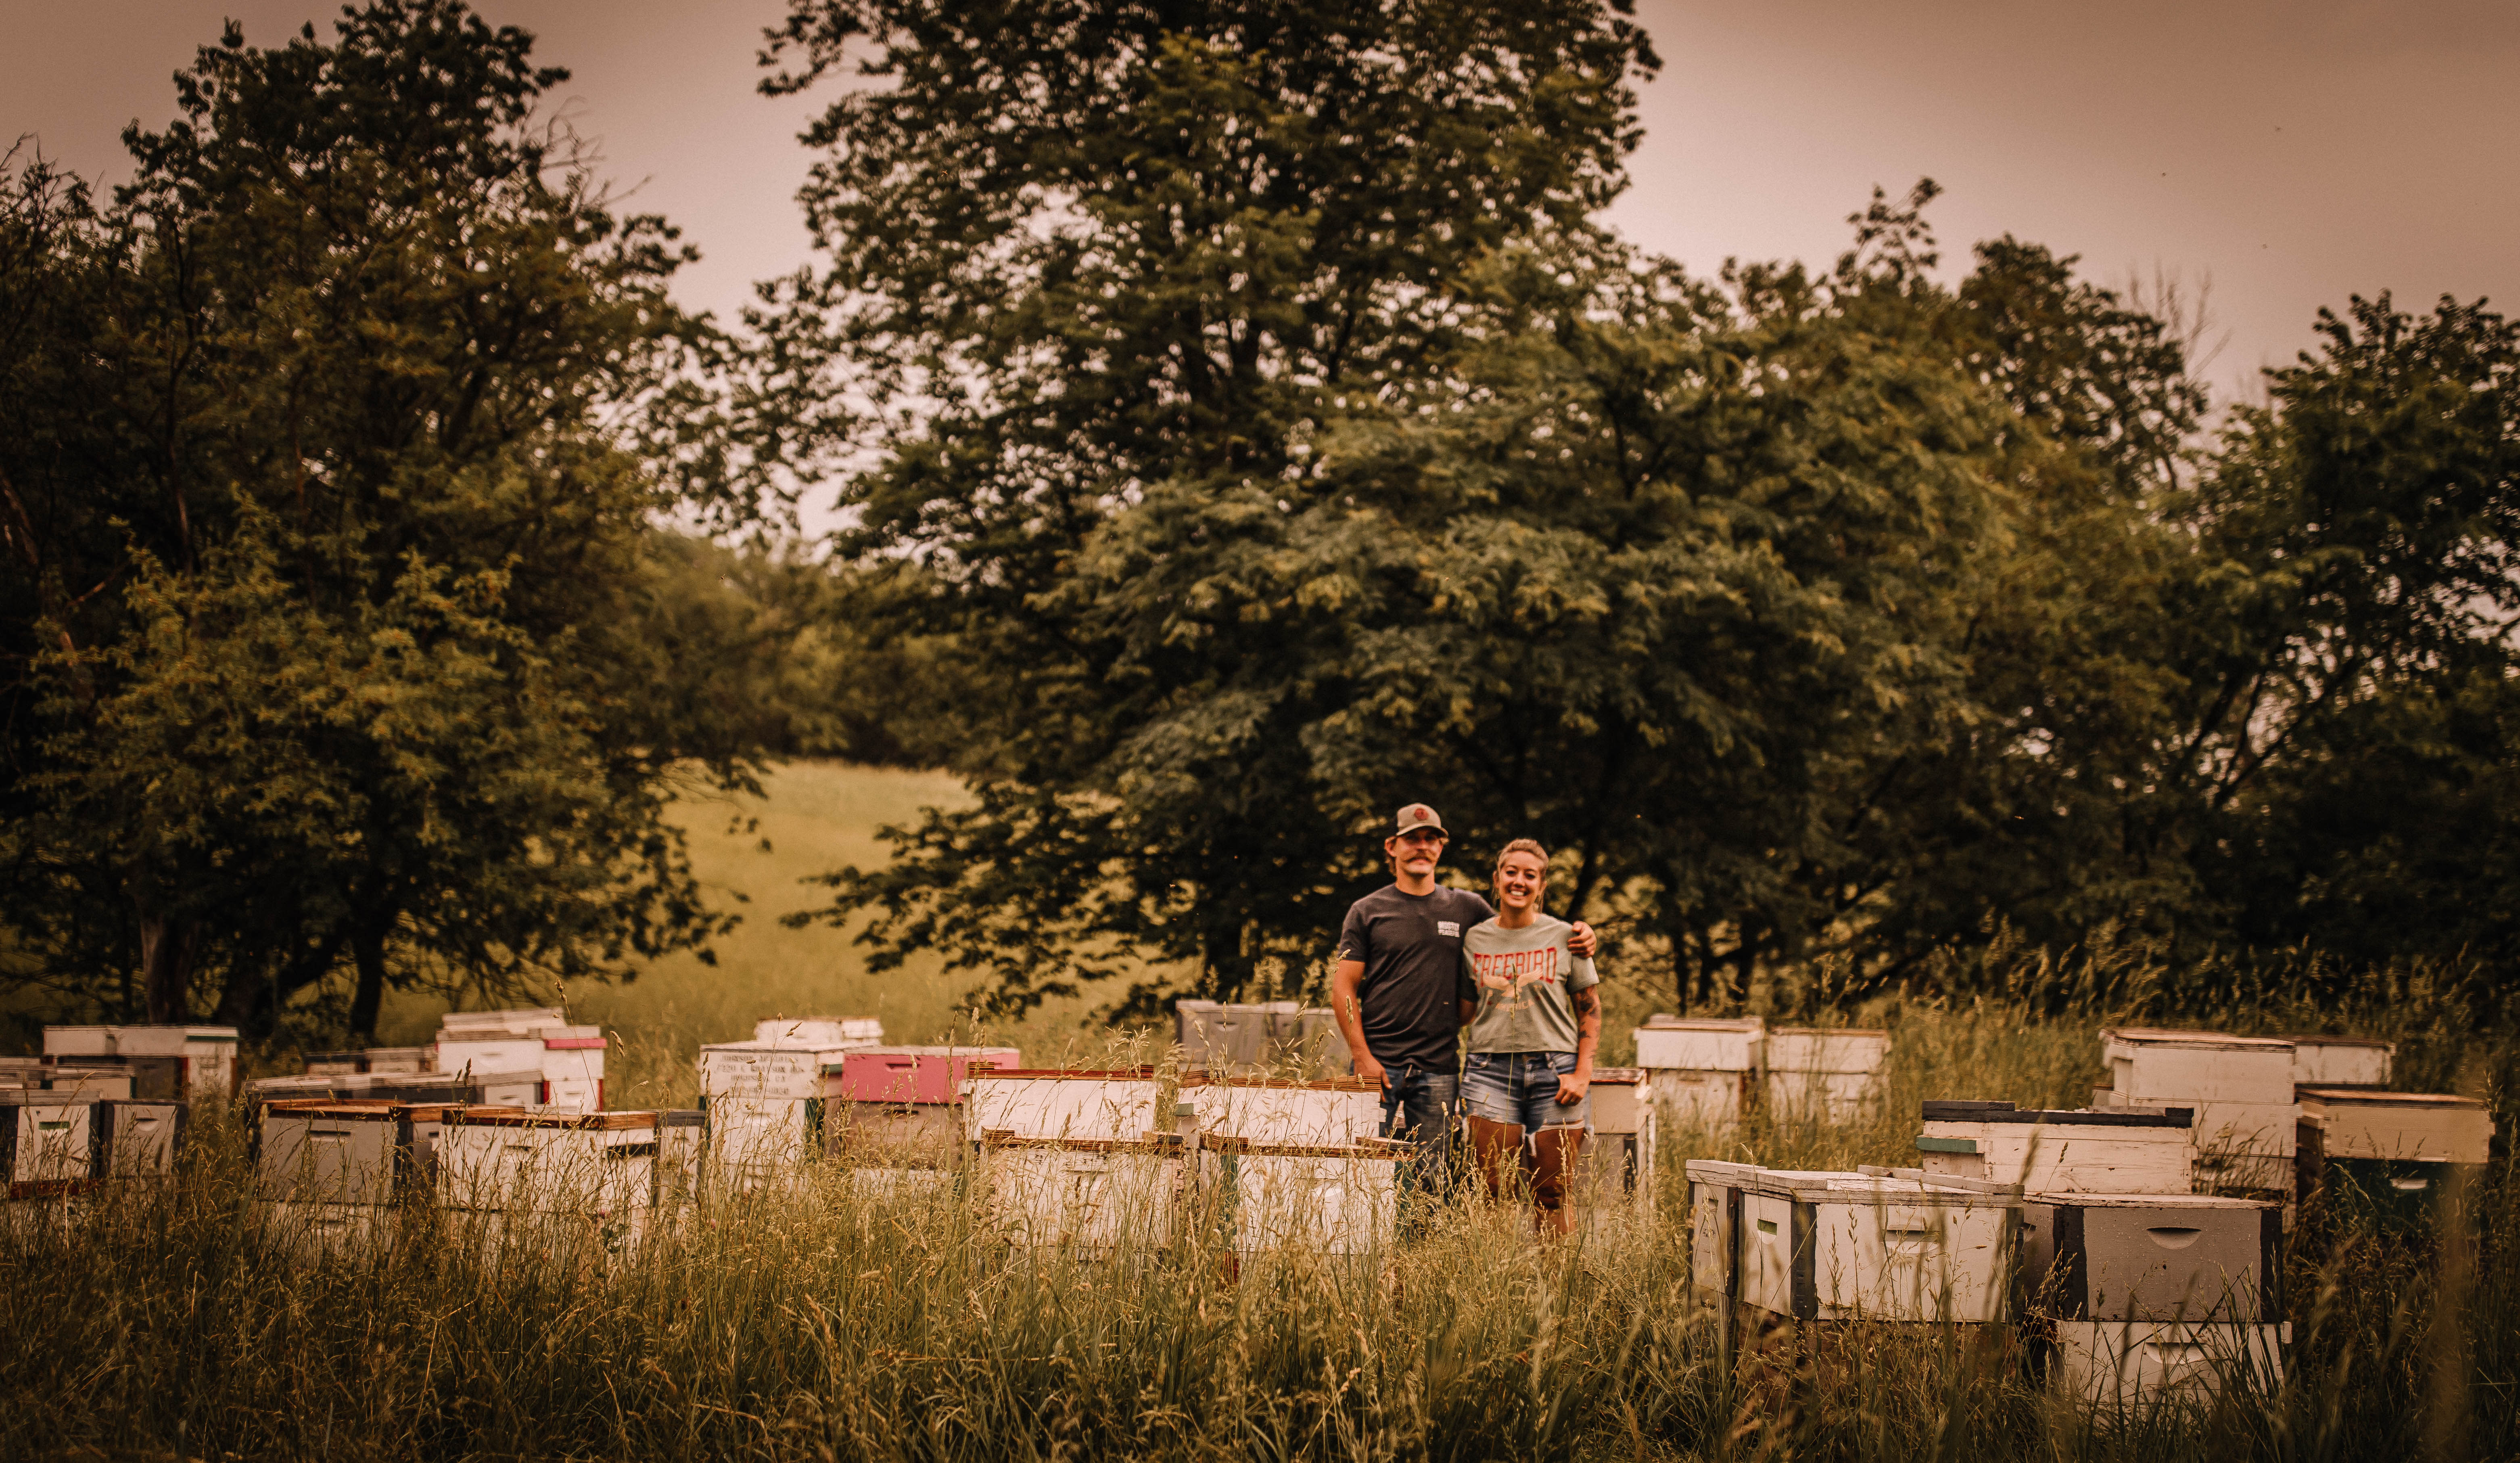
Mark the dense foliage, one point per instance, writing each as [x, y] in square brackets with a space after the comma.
[337, 608]
[1256, 419]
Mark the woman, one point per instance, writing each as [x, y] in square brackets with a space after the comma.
[1534, 1020]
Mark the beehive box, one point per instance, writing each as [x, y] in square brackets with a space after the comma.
[335, 1064]
[578, 1163]
[821, 1032]
[2112, 1151]
[2340, 1061]
[1330, 1112]
[419, 1125]
[1331, 1198]
[1090, 1106]
[509, 1019]
[1619, 1156]
[2118, 1365]
[2419, 1126]
[135, 1139]
[2153, 1257]
[483, 1049]
[1223, 1038]
[762, 1070]
[397, 1061]
[47, 1142]
[920, 1074]
[166, 1063]
[90, 1083]
[761, 1142]
[572, 1068]
[1098, 1197]
[2239, 1087]
[1878, 1246]
[1701, 1043]
[918, 1135]
[1833, 1074]
[331, 1153]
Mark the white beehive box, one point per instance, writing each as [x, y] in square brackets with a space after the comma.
[47, 1141]
[2240, 1088]
[761, 1142]
[90, 1083]
[78, 1041]
[1330, 1199]
[479, 1049]
[509, 1019]
[1102, 1107]
[421, 1124]
[2340, 1061]
[1877, 1246]
[1701, 1044]
[2119, 1365]
[1098, 1197]
[397, 1061]
[588, 1163]
[762, 1070]
[2112, 1151]
[821, 1032]
[137, 1138]
[203, 1058]
[1825, 1073]
[2415, 1126]
[329, 1152]
[572, 1068]
[2153, 1257]
[1330, 1112]
[1620, 1153]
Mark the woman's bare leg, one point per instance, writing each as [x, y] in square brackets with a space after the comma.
[1499, 1148]
[1555, 1151]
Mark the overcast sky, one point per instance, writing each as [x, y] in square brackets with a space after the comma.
[2295, 153]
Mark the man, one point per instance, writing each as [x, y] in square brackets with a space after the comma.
[1394, 990]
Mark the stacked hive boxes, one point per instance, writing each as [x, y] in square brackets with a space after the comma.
[2340, 1061]
[1705, 1074]
[2388, 1155]
[1074, 1160]
[2141, 1295]
[166, 1063]
[901, 1106]
[2110, 1151]
[1216, 1036]
[1876, 1244]
[1825, 1074]
[567, 1061]
[2240, 1089]
[766, 1098]
[518, 1090]
[1293, 1165]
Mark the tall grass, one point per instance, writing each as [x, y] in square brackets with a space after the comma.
[841, 1322]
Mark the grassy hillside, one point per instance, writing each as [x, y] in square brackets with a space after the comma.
[816, 817]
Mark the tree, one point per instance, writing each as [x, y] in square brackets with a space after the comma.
[343, 651]
[1091, 263]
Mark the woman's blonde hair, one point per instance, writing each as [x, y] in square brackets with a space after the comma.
[1524, 846]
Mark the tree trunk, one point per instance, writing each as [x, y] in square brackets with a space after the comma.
[165, 968]
[367, 949]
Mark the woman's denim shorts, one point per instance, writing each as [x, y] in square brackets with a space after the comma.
[1521, 1088]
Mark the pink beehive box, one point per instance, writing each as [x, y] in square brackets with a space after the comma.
[916, 1073]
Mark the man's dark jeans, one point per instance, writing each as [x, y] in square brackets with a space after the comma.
[1423, 1108]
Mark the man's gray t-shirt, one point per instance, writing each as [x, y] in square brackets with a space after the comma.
[1525, 982]
[1412, 948]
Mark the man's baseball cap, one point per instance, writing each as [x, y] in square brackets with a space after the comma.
[1415, 816]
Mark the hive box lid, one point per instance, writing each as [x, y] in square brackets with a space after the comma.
[585, 1121]
[1618, 1077]
[2209, 1040]
[1196, 1077]
[2151, 1200]
[1363, 1148]
[1067, 1073]
[360, 1110]
[1664, 1021]
[2404, 1102]
[1949, 1109]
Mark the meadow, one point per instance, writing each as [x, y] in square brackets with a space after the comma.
[168, 1321]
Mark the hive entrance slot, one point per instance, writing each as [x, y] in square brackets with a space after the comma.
[2172, 1236]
